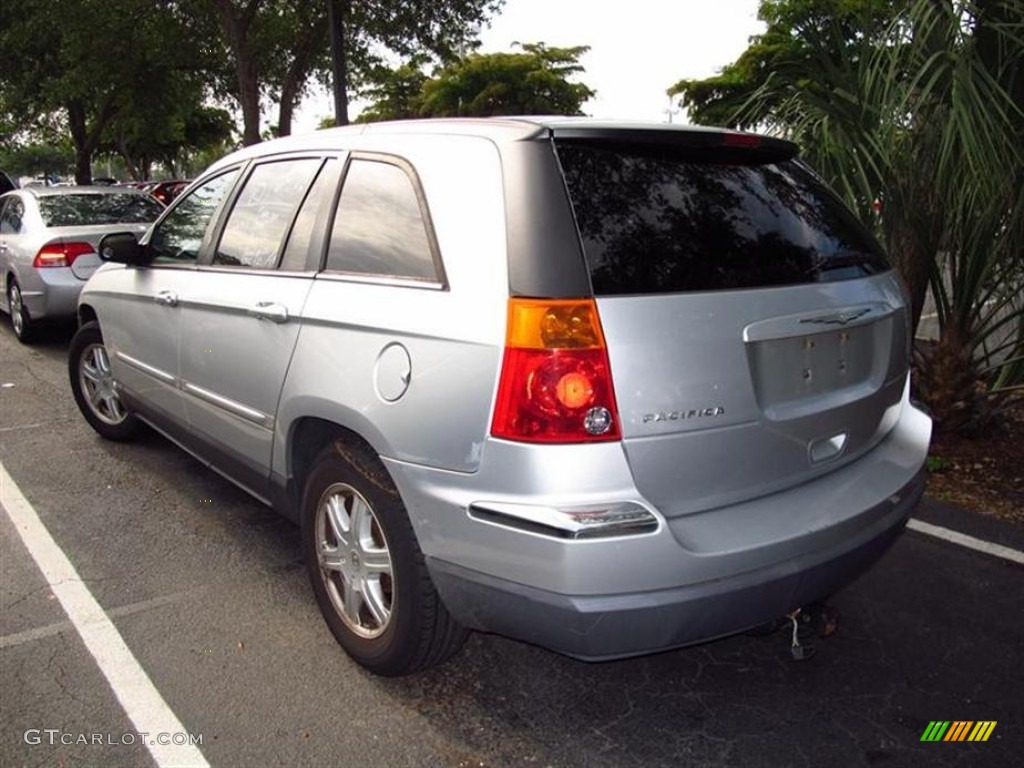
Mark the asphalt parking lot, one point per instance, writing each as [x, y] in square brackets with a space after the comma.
[208, 591]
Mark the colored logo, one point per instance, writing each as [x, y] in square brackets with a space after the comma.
[958, 730]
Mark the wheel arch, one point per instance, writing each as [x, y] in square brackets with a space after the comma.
[86, 314]
[10, 276]
[306, 436]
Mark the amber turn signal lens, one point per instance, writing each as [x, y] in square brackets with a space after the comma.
[551, 324]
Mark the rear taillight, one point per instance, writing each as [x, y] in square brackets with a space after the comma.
[60, 254]
[556, 382]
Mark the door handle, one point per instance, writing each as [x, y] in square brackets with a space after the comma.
[167, 298]
[268, 310]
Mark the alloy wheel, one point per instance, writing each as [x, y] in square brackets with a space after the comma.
[354, 560]
[99, 386]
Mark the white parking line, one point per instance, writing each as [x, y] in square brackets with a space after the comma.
[1013, 555]
[134, 690]
[37, 633]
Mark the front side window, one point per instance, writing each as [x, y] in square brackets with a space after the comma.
[263, 212]
[179, 236]
[379, 228]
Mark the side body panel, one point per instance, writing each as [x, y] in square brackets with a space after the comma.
[233, 361]
[141, 331]
[412, 367]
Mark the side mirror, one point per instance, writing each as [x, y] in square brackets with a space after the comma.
[121, 248]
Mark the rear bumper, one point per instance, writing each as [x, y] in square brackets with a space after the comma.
[693, 578]
[598, 627]
[54, 295]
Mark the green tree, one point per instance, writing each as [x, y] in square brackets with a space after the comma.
[38, 159]
[169, 136]
[926, 115]
[276, 47]
[396, 94]
[438, 30]
[533, 82]
[81, 63]
[789, 52]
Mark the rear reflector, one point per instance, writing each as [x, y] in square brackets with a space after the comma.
[61, 254]
[616, 519]
[556, 384]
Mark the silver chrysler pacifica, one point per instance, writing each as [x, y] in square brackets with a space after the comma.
[608, 388]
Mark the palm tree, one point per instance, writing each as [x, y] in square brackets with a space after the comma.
[926, 119]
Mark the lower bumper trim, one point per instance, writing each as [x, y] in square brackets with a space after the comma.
[601, 627]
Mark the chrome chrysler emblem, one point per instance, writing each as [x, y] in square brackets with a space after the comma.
[840, 318]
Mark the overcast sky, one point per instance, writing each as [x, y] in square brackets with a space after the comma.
[638, 48]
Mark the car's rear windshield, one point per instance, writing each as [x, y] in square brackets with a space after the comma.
[657, 221]
[77, 210]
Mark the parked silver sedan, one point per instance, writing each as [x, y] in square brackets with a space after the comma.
[48, 239]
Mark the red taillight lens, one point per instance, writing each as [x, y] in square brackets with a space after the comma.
[556, 383]
[60, 254]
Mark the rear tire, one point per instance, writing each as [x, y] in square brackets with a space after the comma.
[95, 388]
[21, 323]
[366, 568]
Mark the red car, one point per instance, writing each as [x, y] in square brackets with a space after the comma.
[167, 190]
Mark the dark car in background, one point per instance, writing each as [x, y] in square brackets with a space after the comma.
[48, 240]
[6, 183]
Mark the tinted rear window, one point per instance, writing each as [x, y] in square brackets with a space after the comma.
[653, 222]
[94, 208]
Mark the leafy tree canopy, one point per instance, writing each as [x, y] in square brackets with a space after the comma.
[37, 159]
[535, 81]
[80, 64]
[788, 51]
[168, 136]
[396, 94]
[277, 47]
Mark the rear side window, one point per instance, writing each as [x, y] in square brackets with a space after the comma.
[653, 222]
[12, 211]
[380, 227]
[75, 210]
[264, 210]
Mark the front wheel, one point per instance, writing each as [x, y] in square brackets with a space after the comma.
[94, 387]
[367, 571]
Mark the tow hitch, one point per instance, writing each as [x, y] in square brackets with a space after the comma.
[816, 619]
